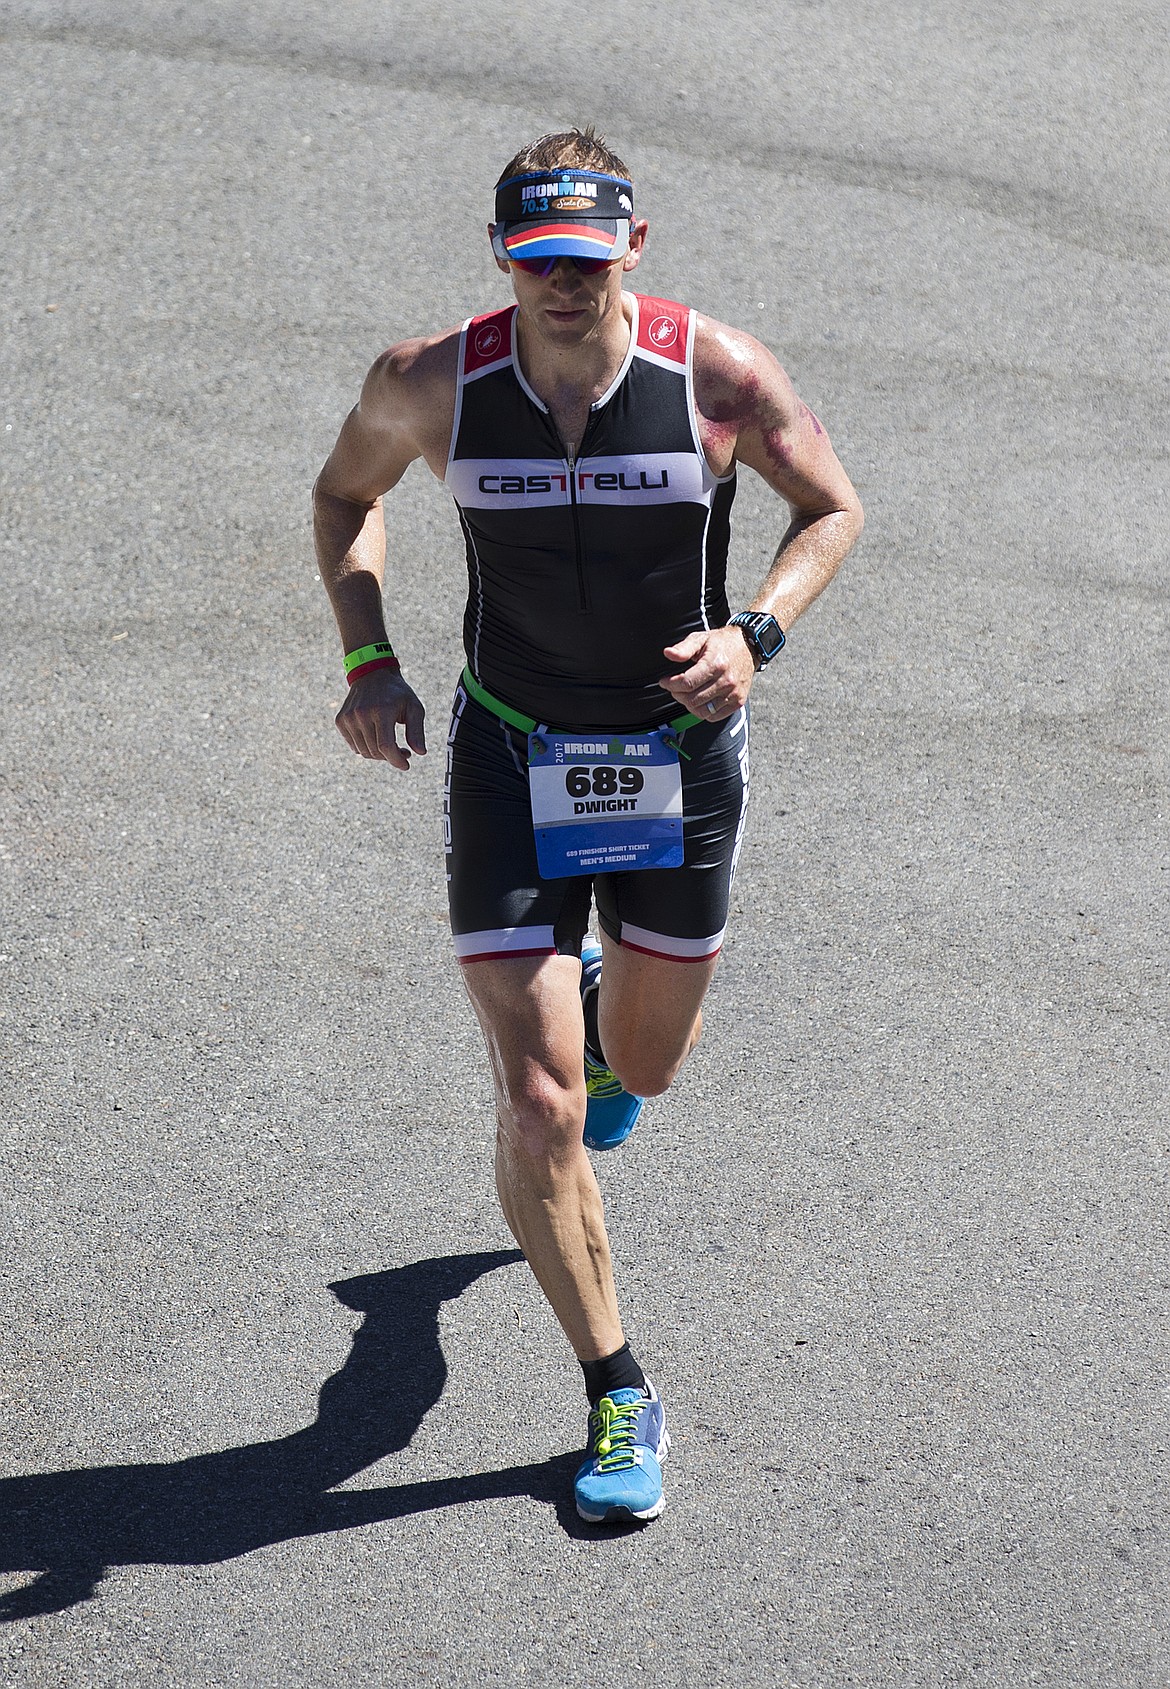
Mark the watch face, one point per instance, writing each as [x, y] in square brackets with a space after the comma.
[764, 631]
[768, 636]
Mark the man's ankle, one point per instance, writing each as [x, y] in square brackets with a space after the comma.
[619, 1371]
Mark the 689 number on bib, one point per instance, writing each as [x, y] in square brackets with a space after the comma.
[603, 781]
[604, 803]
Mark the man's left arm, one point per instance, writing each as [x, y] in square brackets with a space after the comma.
[749, 412]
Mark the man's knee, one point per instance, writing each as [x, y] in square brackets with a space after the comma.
[643, 1078]
[645, 1071]
[542, 1119]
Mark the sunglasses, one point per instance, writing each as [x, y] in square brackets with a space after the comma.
[544, 267]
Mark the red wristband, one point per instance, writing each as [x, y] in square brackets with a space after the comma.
[391, 663]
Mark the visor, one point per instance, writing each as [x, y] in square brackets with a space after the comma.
[563, 214]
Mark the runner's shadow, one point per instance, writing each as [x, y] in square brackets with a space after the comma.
[71, 1527]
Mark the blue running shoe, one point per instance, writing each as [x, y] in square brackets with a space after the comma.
[620, 1479]
[610, 1113]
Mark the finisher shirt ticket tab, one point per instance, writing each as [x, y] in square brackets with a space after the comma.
[604, 803]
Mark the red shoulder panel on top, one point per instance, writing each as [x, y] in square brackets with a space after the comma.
[489, 340]
[662, 328]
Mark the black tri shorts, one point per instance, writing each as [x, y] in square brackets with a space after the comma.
[500, 905]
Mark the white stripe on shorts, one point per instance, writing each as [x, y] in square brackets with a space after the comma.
[499, 942]
[671, 949]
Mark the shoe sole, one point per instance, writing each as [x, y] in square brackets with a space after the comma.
[624, 1515]
[611, 1143]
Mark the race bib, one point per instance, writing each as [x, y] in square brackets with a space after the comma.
[605, 802]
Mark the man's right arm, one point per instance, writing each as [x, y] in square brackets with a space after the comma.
[399, 417]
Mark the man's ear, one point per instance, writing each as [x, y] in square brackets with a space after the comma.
[638, 232]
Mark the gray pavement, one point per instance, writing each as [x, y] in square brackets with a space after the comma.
[896, 1246]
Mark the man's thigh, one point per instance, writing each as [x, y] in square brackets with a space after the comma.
[530, 1010]
[662, 930]
[648, 1014]
[679, 915]
[500, 906]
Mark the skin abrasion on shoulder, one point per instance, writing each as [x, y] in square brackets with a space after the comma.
[746, 393]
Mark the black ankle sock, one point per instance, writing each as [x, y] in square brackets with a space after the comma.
[619, 1371]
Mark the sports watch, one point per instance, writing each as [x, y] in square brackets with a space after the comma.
[763, 633]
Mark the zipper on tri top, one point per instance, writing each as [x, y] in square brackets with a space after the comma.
[582, 597]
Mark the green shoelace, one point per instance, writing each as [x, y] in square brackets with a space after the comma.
[611, 1433]
[600, 1082]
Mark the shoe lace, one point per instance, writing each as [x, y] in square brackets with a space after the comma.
[612, 1430]
[601, 1081]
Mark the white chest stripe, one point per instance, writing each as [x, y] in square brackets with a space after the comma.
[521, 483]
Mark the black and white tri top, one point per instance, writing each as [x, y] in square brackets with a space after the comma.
[580, 571]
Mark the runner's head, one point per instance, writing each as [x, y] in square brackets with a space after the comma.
[566, 195]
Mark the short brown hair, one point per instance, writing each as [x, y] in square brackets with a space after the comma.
[578, 149]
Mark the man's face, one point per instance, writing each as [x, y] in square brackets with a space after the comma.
[565, 307]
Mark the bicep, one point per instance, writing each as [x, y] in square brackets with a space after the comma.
[794, 455]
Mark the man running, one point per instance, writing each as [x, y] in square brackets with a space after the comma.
[597, 748]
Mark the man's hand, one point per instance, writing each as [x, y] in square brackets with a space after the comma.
[719, 673]
[369, 718]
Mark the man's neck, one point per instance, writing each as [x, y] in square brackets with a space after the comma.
[572, 377]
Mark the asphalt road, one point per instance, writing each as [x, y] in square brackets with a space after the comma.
[895, 1248]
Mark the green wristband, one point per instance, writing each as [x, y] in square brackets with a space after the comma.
[367, 654]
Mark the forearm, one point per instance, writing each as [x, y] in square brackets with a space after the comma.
[350, 542]
[806, 560]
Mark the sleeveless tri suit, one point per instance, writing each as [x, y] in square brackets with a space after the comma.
[582, 566]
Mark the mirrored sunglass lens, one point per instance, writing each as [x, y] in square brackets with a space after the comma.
[546, 266]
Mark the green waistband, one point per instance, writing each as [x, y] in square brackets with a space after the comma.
[526, 723]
